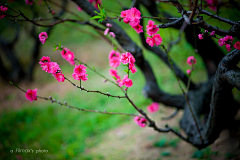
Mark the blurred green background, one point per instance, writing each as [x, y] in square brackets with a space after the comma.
[68, 133]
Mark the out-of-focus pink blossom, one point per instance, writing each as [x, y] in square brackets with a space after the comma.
[200, 36]
[3, 9]
[154, 107]
[31, 95]
[43, 36]
[228, 47]
[59, 76]
[126, 81]
[112, 34]
[79, 8]
[109, 25]
[157, 39]
[191, 60]
[29, 2]
[140, 121]
[106, 31]
[80, 77]
[212, 33]
[188, 71]
[113, 73]
[237, 45]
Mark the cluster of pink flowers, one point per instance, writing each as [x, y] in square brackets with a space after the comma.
[212, 4]
[68, 55]
[200, 36]
[97, 2]
[227, 40]
[3, 9]
[79, 72]
[132, 17]
[43, 36]
[29, 2]
[154, 107]
[140, 121]
[31, 95]
[126, 58]
[51, 67]
[191, 60]
[151, 31]
[108, 29]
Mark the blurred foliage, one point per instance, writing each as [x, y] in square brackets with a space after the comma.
[166, 142]
[205, 153]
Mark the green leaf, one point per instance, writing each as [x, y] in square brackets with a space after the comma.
[115, 48]
[96, 17]
[125, 70]
[114, 78]
[96, 12]
[59, 45]
[10, 82]
[54, 49]
[93, 68]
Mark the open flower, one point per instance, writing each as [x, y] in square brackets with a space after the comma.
[31, 95]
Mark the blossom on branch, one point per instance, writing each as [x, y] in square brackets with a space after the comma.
[43, 36]
[140, 121]
[126, 81]
[31, 95]
[132, 17]
[151, 28]
[79, 72]
[3, 9]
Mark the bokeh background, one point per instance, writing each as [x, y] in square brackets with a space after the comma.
[71, 134]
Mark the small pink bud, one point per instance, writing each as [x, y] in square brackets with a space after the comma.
[109, 25]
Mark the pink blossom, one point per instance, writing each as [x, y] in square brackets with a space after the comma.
[91, 1]
[43, 36]
[150, 41]
[154, 107]
[206, 31]
[138, 28]
[64, 52]
[127, 58]
[140, 121]
[79, 8]
[157, 39]
[228, 39]
[53, 67]
[212, 33]
[191, 60]
[29, 2]
[31, 95]
[134, 13]
[151, 28]
[126, 20]
[228, 47]
[237, 45]
[113, 53]
[72, 62]
[212, 4]
[221, 42]
[44, 60]
[106, 31]
[188, 71]
[124, 14]
[112, 34]
[114, 62]
[59, 76]
[132, 68]
[53, 12]
[80, 69]
[69, 56]
[109, 25]
[113, 73]
[3, 9]
[45, 66]
[126, 81]
[134, 22]
[98, 2]
[80, 77]
[200, 36]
